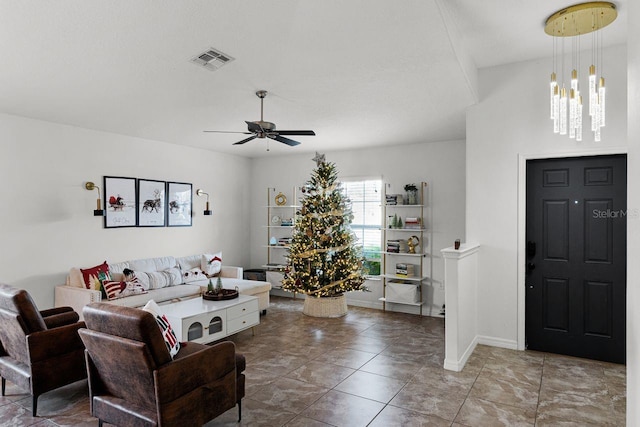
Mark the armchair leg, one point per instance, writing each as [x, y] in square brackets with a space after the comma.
[35, 405]
[239, 410]
[4, 385]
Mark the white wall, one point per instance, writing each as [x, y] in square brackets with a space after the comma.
[47, 223]
[633, 225]
[510, 120]
[440, 164]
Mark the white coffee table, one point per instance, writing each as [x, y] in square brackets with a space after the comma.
[204, 321]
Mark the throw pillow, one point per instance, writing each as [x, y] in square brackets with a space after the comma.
[143, 279]
[211, 264]
[162, 279]
[94, 276]
[193, 275]
[175, 276]
[169, 336]
[115, 290]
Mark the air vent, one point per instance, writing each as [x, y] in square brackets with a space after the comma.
[212, 59]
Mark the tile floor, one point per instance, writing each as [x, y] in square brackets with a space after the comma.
[378, 369]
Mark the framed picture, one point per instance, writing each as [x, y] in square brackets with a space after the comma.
[151, 203]
[179, 204]
[120, 202]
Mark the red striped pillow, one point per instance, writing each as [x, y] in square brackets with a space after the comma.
[170, 339]
[115, 290]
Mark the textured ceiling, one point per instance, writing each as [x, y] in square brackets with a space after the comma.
[360, 72]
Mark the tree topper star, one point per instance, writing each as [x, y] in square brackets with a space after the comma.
[319, 159]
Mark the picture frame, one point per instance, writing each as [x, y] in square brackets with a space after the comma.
[120, 202]
[179, 204]
[152, 211]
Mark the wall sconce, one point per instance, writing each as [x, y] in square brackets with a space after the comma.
[199, 192]
[91, 186]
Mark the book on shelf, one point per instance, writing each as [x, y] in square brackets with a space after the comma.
[394, 199]
[397, 245]
[405, 270]
[412, 222]
[284, 241]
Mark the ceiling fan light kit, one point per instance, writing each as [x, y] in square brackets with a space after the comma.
[262, 129]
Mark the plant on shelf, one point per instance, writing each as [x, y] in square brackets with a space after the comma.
[324, 260]
[412, 194]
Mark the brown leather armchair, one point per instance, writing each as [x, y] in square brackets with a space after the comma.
[39, 350]
[134, 381]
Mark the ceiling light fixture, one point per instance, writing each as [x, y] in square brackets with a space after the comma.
[575, 21]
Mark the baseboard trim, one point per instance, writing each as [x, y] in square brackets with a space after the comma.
[497, 342]
[365, 304]
[458, 365]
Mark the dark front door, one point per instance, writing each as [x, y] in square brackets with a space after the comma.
[576, 256]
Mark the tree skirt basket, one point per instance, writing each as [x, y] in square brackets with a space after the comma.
[224, 295]
[325, 306]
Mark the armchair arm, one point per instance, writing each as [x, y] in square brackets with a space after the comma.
[76, 298]
[55, 342]
[185, 374]
[59, 316]
[231, 271]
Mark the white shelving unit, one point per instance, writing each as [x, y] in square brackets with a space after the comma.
[281, 210]
[400, 288]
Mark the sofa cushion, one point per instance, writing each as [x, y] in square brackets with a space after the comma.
[211, 264]
[170, 339]
[153, 264]
[75, 278]
[188, 262]
[116, 270]
[94, 276]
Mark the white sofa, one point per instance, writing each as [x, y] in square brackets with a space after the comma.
[74, 294]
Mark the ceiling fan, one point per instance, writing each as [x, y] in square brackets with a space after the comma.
[262, 129]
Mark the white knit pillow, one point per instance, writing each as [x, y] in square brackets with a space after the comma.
[211, 264]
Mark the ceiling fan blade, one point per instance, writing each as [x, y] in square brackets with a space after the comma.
[289, 142]
[225, 131]
[245, 140]
[296, 132]
[254, 127]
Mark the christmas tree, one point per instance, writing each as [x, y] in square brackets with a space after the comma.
[323, 259]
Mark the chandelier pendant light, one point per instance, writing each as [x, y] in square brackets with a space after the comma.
[565, 106]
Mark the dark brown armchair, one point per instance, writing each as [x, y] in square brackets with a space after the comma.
[133, 380]
[39, 350]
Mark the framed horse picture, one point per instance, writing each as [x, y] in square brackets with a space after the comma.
[179, 204]
[120, 202]
[151, 203]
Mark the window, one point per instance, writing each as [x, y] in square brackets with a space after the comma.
[366, 199]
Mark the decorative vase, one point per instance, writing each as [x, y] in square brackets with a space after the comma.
[412, 197]
[325, 306]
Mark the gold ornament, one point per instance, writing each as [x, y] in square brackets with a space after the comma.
[412, 242]
[281, 199]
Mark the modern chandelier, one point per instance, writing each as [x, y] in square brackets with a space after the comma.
[566, 102]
